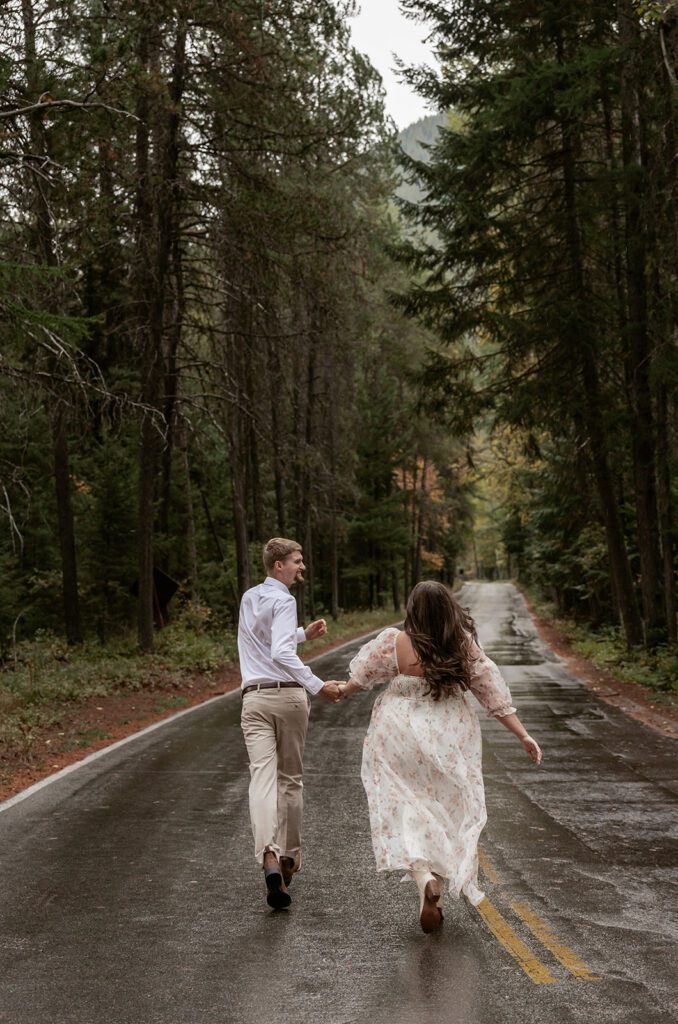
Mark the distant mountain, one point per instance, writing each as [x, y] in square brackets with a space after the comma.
[424, 131]
[413, 141]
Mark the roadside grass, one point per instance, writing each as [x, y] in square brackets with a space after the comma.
[45, 679]
[85, 738]
[171, 703]
[606, 649]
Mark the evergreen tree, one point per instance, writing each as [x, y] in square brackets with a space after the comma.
[538, 283]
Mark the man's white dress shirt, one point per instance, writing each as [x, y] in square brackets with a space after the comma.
[268, 636]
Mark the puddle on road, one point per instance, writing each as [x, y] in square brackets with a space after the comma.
[514, 654]
[513, 647]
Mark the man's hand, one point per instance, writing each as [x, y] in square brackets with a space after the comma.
[316, 629]
[331, 691]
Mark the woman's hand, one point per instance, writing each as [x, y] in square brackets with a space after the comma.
[348, 689]
[532, 748]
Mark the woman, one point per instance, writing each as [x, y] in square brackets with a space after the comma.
[422, 755]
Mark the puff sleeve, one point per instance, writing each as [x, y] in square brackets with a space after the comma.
[488, 685]
[376, 661]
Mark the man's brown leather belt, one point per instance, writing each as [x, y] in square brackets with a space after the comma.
[269, 686]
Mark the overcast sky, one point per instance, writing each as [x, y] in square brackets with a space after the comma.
[380, 30]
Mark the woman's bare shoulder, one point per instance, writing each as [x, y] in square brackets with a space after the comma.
[408, 662]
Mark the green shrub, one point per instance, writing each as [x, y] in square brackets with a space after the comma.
[606, 648]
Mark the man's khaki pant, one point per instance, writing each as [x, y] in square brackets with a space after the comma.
[274, 723]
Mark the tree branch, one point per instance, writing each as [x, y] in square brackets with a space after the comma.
[50, 104]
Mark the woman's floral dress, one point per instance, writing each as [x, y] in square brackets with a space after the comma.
[422, 766]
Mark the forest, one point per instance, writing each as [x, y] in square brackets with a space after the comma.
[219, 323]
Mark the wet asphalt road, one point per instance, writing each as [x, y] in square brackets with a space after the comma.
[129, 895]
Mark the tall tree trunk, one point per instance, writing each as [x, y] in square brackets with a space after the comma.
[148, 466]
[147, 451]
[46, 255]
[622, 581]
[666, 514]
[190, 524]
[172, 153]
[239, 500]
[254, 475]
[638, 350]
[420, 501]
[211, 527]
[305, 595]
[276, 438]
[395, 584]
[668, 84]
[414, 567]
[62, 479]
[304, 495]
[334, 538]
[154, 241]
[237, 462]
[591, 415]
[309, 561]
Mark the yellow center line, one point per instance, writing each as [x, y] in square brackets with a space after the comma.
[501, 929]
[566, 956]
[489, 869]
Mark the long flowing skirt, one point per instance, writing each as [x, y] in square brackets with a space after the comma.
[422, 773]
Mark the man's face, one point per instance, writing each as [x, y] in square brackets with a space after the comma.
[292, 569]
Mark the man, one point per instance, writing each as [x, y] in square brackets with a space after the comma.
[275, 711]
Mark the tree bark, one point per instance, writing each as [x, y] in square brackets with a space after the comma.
[211, 527]
[334, 538]
[414, 544]
[276, 438]
[170, 173]
[666, 514]
[591, 415]
[668, 83]
[147, 449]
[306, 595]
[237, 462]
[190, 524]
[154, 240]
[62, 479]
[420, 501]
[254, 476]
[309, 561]
[395, 585]
[46, 255]
[638, 350]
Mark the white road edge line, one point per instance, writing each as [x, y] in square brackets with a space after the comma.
[25, 793]
[37, 786]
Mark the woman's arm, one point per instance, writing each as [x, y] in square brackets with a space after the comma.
[349, 688]
[489, 687]
[514, 725]
[374, 664]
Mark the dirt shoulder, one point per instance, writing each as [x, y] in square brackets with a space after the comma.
[639, 702]
[78, 729]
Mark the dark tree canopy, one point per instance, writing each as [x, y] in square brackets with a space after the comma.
[196, 346]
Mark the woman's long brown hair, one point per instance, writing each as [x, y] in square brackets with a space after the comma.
[441, 632]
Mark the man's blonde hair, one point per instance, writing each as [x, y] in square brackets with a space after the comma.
[277, 550]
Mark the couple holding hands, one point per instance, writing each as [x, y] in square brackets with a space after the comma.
[421, 763]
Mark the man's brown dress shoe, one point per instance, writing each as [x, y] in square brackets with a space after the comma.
[287, 866]
[277, 895]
